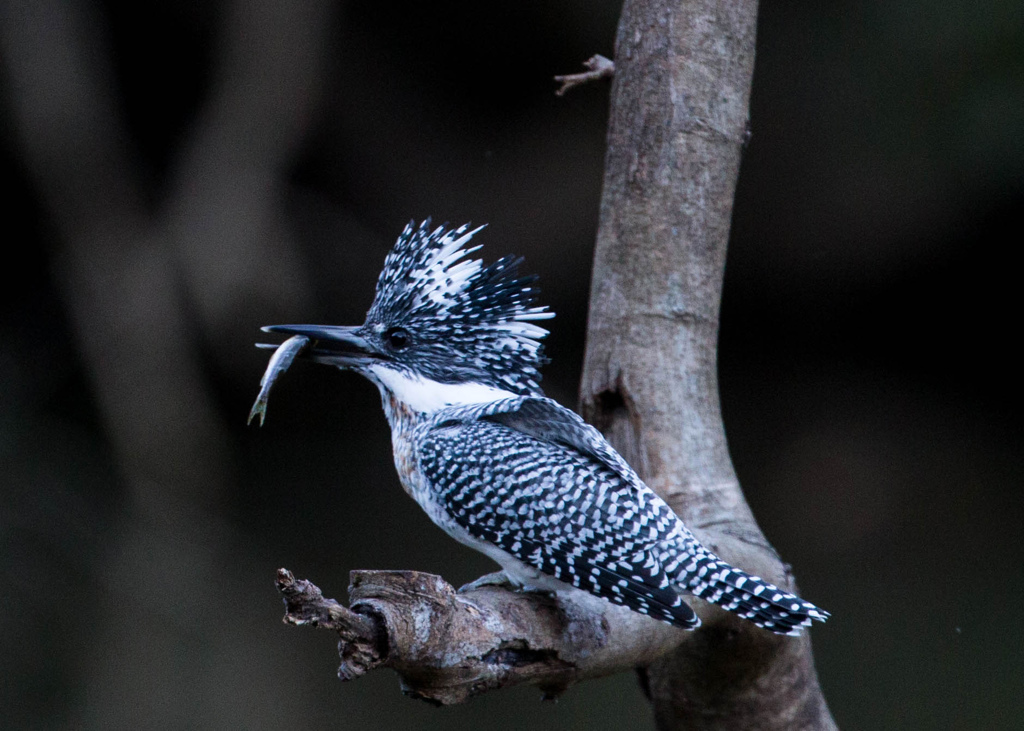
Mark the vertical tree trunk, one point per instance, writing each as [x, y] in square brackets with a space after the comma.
[676, 131]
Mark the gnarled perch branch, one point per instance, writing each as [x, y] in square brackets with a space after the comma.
[448, 646]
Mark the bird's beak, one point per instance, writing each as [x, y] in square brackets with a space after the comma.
[344, 347]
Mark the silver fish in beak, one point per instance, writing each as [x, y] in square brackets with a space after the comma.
[279, 362]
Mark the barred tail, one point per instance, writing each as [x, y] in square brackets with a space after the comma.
[708, 577]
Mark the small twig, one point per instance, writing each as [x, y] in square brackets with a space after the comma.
[600, 68]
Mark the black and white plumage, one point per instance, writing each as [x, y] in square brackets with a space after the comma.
[451, 346]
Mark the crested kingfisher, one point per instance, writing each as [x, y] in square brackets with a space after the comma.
[453, 347]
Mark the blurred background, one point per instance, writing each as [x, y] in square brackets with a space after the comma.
[180, 173]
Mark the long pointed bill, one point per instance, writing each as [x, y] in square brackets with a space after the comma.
[339, 346]
[332, 344]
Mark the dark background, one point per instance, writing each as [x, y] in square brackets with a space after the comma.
[180, 173]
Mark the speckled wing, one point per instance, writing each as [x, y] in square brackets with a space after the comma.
[532, 478]
[535, 483]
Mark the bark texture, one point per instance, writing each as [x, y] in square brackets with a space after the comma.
[678, 122]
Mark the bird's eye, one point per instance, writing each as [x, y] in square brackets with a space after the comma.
[397, 337]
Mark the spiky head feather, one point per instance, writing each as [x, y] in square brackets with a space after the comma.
[466, 321]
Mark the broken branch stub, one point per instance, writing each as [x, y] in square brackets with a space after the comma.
[598, 67]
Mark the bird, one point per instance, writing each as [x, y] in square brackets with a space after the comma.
[455, 351]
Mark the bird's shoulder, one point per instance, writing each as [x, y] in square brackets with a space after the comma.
[535, 418]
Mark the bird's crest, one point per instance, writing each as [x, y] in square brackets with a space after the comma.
[479, 314]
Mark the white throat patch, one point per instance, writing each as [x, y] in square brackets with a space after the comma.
[426, 396]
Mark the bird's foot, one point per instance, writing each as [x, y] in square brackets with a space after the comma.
[543, 590]
[497, 578]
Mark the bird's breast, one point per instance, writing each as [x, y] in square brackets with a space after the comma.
[406, 431]
[403, 421]
[405, 463]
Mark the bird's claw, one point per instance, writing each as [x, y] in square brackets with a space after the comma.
[496, 578]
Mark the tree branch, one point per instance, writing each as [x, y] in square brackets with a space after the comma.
[678, 121]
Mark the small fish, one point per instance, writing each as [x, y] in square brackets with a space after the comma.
[279, 362]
